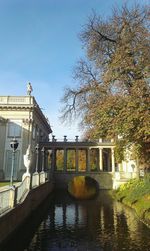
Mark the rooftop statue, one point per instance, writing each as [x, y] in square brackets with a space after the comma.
[29, 89]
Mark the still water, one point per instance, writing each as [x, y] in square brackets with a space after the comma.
[100, 224]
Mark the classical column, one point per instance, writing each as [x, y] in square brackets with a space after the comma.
[65, 160]
[109, 160]
[77, 161]
[53, 159]
[46, 159]
[113, 159]
[88, 160]
[101, 159]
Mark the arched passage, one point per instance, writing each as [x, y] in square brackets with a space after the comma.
[82, 187]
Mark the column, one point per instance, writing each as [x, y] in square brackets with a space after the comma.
[101, 159]
[77, 159]
[53, 159]
[109, 160]
[113, 159]
[65, 160]
[88, 160]
[46, 159]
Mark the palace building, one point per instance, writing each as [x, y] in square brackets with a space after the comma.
[20, 118]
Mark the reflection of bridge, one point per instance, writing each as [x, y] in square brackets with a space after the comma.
[73, 158]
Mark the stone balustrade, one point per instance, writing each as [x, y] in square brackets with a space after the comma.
[11, 196]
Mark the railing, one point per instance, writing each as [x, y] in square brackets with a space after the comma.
[23, 189]
[125, 175]
[7, 199]
[35, 179]
[42, 177]
[16, 100]
[11, 196]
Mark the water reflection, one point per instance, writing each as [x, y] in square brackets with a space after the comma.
[100, 224]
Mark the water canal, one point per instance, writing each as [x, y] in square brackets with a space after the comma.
[99, 224]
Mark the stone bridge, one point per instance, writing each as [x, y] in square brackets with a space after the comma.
[68, 159]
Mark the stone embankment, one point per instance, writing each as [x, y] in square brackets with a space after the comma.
[15, 217]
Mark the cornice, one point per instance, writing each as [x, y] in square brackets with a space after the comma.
[16, 107]
[23, 103]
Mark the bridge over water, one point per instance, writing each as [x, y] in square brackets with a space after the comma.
[74, 158]
[67, 159]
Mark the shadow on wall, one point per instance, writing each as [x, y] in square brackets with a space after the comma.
[23, 234]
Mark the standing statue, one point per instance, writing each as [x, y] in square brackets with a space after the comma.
[29, 89]
[27, 162]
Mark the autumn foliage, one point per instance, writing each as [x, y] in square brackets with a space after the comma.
[113, 91]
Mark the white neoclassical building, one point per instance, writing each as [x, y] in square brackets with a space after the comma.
[22, 118]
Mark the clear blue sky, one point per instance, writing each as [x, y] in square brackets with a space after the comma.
[39, 44]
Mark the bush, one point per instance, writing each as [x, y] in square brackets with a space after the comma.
[136, 193]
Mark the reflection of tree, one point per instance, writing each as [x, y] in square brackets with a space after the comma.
[93, 159]
[59, 159]
[71, 160]
[82, 159]
[49, 159]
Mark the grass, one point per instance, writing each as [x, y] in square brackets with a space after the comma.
[2, 184]
[136, 194]
[7, 183]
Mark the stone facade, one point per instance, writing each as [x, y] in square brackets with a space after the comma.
[22, 118]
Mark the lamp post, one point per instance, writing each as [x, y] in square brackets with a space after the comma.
[37, 157]
[14, 145]
[43, 158]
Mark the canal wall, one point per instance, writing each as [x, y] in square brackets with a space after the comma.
[104, 179]
[13, 219]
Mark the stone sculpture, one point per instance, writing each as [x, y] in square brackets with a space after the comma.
[27, 162]
[29, 89]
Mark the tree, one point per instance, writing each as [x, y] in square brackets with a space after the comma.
[113, 95]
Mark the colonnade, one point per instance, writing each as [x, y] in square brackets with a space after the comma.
[76, 156]
[103, 163]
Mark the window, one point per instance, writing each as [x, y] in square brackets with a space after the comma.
[14, 129]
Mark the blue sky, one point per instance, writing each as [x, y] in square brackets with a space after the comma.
[39, 44]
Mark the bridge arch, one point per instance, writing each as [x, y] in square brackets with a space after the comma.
[83, 187]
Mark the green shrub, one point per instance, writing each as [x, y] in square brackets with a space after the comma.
[136, 193]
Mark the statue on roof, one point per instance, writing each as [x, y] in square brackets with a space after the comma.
[29, 89]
